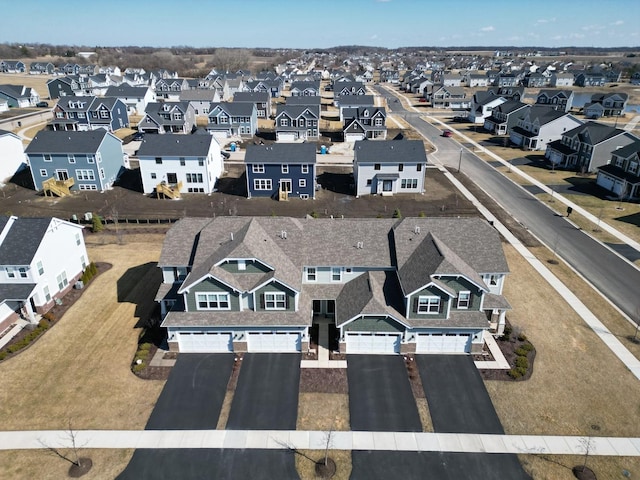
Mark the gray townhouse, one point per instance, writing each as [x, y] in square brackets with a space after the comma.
[228, 119]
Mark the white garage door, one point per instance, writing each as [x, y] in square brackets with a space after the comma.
[274, 342]
[555, 157]
[373, 342]
[605, 181]
[353, 137]
[443, 343]
[286, 137]
[204, 342]
[516, 139]
[220, 134]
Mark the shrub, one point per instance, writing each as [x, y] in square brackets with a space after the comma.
[3, 355]
[49, 316]
[43, 324]
[138, 367]
[506, 333]
[522, 337]
[522, 362]
[96, 223]
[396, 213]
[526, 346]
[421, 215]
[144, 347]
[522, 371]
[314, 214]
[514, 373]
[521, 352]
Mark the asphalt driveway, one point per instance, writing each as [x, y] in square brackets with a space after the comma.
[266, 397]
[380, 396]
[368, 465]
[193, 395]
[196, 464]
[458, 400]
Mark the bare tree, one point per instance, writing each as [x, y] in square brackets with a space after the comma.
[79, 464]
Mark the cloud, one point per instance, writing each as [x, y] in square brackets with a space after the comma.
[617, 22]
[374, 36]
[490, 28]
[383, 1]
[545, 20]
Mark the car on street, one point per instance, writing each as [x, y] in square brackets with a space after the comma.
[42, 104]
[447, 133]
[422, 100]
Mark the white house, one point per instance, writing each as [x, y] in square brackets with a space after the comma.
[388, 167]
[181, 163]
[135, 98]
[482, 106]
[40, 260]
[11, 154]
[540, 125]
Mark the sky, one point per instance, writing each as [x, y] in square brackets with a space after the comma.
[321, 24]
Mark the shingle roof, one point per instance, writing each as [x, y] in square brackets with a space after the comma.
[390, 151]
[126, 90]
[594, 132]
[173, 144]
[50, 141]
[235, 109]
[281, 153]
[252, 97]
[22, 240]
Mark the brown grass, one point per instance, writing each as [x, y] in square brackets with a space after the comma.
[306, 467]
[38, 82]
[558, 467]
[425, 416]
[323, 411]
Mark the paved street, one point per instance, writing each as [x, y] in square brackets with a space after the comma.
[610, 274]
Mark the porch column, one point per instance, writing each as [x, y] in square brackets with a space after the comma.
[501, 322]
[28, 310]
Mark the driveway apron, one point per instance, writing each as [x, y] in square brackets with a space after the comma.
[266, 397]
[380, 396]
[193, 395]
[458, 400]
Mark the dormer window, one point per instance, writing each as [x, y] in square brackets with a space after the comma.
[464, 300]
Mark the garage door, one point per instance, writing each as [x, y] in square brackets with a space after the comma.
[286, 137]
[204, 342]
[516, 139]
[273, 342]
[555, 157]
[605, 181]
[373, 342]
[443, 342]
[353, 137]
[220, 134]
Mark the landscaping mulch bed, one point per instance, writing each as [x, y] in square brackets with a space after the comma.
[508, 346]
[323, 380]
[414, 377]
[235, 372]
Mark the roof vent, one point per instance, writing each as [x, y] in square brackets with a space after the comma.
[416, 230]
[283, 234]
[360, 245]
[232, 236]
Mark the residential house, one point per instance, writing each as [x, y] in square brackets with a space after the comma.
[507, 80]
[41, 68]
[584, 79]
[612, 76]
[606, 105]
[40, 261]
[169, 89]
[281, 170]
[561, 79]
[451, 80]
[200, 99]
[537, 126]
[304, 100]
[4, 105]
[561, 100]
[535, 80]
[587, 147]
[305, 89]
[272, 87]
[621, 176]
[12, 66]
[261, 100]
[504, 117]
[454, 98]
[474, 80]
[344, 89]
[389, 167]
[482, 106]
[136, 99]
[228, 119]
[364, 123]
[297, 122]
[89, 113]
[171, 165]
[19, 96]
[257, 284]
[11, 155]
[635, 78]
[168, 117]
[65, 86]
[508, 93]
[353, 101]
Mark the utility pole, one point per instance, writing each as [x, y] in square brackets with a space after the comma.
[460, 161]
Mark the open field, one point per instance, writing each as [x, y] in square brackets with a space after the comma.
[38, 82]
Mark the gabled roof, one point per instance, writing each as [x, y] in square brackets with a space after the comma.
[57, 141]
[629, 150]
[356, 100]
[363, 295]
[304, 100]
[281, 153]
[253, 97]
[126, 90]
[176, 145]
[295, 111]
[23, 239]
[232, 109]
[390, 151]
[593, 133]
[542, 113]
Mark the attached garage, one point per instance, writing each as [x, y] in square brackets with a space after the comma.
[443, 342]
[353, 137]
[555, 157]
[379, 342]
[273, 342]
[205, 342]
[286, 137]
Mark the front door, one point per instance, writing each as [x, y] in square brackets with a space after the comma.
[387, 185]
[285, 186]
[172, 178]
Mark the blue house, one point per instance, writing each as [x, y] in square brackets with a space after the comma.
[89, 113]
[281, 170]
[62, 162]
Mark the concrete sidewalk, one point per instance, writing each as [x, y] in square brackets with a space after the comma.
[316, 440]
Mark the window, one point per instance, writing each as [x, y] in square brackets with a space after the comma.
[104, 114]
[311, 274]
[305, 168]
[102, 173]
[158, 160]
[43, 172]
[40, 267]
[201, 162]
[284, 122]
[11, 272]
[87, 186]
[242, 265]
[23, 272]
[85, 175]
[493, 280]
[62, 280]
[275, 301]
[302, 182]
[285, 168]
[419, 167]
[257, 168]
[633, 167]
[91, 159]
[262, 184]
[428, 304]
[336, 274]
[77, 239]
[376, 166]
[194, 178]
[464, 299]
[213, 301]
[368, 182]
[400, 167]
[153, 176]
[47, 157]
[72, 158]
[83, 262]
[409, 183]
[183, 162]
[47, 294]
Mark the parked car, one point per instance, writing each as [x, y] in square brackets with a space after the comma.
[138, 136]
[447, 133]
[422, 100]
[42, 104]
